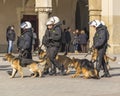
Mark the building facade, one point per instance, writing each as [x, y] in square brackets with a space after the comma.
[73, 13]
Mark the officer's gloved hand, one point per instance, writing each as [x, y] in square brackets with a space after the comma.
[22, 50]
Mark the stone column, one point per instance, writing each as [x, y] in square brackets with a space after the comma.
[94, 13]
[43, 8]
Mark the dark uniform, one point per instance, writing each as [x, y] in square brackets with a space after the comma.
[52, 41]
[68, 41]
[24, 44]
[100, 42]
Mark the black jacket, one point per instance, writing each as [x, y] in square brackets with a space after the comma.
[83, 38]
[10, 35]
[76, 39]
[67, 37]
[24, 42]
[53, 37]
[63, 37]
[101, 37]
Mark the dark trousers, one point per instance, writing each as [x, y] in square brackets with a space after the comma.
[52, 53]
[83, 47]
[25, 54]
[101, 61]
[25, 58]
[67, 46]
[62, 47]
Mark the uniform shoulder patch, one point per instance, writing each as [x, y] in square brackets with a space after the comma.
[53, 30]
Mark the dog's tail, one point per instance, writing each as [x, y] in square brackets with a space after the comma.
[112, 59]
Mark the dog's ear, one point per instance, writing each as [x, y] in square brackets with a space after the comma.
[73, 58]
[39, 50]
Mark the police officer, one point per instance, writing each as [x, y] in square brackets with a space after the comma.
[51, 40]
[100, 41]
[24, 43]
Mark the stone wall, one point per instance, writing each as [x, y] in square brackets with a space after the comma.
[65, 9]
[111, 16]
[8, 16]
[106, 10]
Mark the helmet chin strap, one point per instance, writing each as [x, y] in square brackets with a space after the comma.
[54, 20]
[95, 22]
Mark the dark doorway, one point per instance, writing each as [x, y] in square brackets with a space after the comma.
[82, 16]
[34, 21]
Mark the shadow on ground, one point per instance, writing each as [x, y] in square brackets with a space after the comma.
[5, 67]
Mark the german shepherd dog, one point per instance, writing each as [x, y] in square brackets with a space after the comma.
[85, 67]
[106, 58]
[34, 66]
[8, 57]
[63, 59]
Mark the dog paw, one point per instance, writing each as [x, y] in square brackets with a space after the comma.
[11, 77]
[33, 76]
[86, 77]
[73, 76]
[40, 75]
[67, 72]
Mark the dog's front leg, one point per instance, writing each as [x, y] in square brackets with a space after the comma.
[86, 75]
[35, 74]
[67, 71]
[20, 72]
[40, 73]
[14, 71]
[76, 74]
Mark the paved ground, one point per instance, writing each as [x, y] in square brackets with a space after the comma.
[59, 85]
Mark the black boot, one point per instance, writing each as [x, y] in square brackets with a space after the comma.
[46, 72]
[106, 72]
[106, 75]
[98, 77]
[62, 70]
[53, 71]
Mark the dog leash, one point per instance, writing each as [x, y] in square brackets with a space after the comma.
[89, 52]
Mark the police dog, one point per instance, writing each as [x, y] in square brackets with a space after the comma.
[8, 57]
[34, 66]
[85, 67]
[62, 59]
[106, 58]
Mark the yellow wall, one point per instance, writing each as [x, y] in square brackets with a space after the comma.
[8, 16]
[111, 16]
[11, 14]
[11, 11]
[65, 9]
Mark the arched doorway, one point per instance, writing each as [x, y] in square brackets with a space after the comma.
[82, 16]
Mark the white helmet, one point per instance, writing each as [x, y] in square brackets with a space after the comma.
[103, 23]
[95, 23]
[53, 20]
[26, 25]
